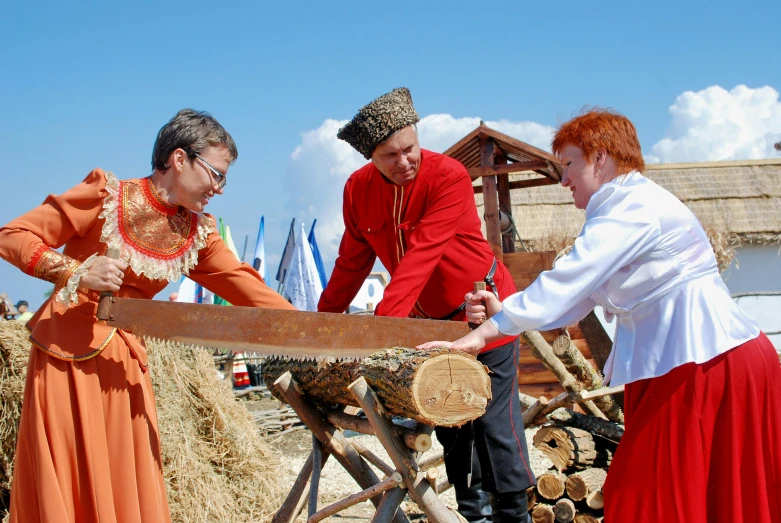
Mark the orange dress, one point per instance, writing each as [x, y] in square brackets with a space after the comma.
[88, 448]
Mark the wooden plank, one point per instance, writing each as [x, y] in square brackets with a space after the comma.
[524, 267]
[491, 200]
[507, 168]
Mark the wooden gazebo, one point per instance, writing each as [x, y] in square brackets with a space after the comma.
[492, 156]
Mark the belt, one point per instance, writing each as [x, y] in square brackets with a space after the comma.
[489, 280]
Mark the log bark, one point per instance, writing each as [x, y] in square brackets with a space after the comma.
[586, 374]
[550, 485]
[599, 427]
[543, 513]
[544, 352]
[439, 387]
[599, 343]
[581, 484]
[418, 441]
[570, 448]
[564, 510]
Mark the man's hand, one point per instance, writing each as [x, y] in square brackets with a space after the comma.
[106, 274]
[481, 305]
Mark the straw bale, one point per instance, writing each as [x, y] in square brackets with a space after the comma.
[216, 466]
[14, 352]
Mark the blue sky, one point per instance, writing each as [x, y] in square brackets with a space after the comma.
[86, 85]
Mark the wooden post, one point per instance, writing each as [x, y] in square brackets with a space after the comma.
[314, 482]
[389, 504]
[505, 203]
[295, 500]
[493, 231]
[331, 438]
[392, 482]
[418, 488]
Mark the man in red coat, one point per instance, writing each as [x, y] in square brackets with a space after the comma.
[415, 210]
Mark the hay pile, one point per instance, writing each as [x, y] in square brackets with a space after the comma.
[14, 351]
[217, 468]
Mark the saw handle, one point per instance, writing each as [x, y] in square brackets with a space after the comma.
[104, 303]
[479, 286]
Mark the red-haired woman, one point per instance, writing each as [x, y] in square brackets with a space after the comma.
[703, 384]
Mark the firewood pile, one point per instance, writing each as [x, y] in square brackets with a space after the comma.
[580, 445]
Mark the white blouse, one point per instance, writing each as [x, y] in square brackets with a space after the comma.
[643, 256]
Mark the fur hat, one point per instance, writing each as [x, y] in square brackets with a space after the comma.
[379, 119]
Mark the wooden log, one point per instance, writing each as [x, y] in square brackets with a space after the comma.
[544, 352]
[566, 446]
[543, 513]
[390, 504]
[550, 485]
[331, 438]
[564, 510]
[418, 441]
[599, 427]
[294, 502]
[439, 387]
[532, 498]
[434, 460]
[595, 500]
[582, 517]
[314, 481]
[419, 490]
[373, 458]
[532, 412]
[581, 484]
[387, 484]
[586, 374]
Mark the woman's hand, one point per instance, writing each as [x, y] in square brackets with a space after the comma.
[481, 305]
[106, 274]
[472, 343]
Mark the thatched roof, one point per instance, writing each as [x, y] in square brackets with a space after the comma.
[737, 199]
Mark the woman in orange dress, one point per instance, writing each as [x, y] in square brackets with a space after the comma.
[88, 448]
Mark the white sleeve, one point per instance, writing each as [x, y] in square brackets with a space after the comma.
[619, 228]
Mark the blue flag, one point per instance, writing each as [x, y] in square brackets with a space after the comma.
[316, 254]
[260, 263]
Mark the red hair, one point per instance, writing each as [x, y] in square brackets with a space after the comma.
[602, 129]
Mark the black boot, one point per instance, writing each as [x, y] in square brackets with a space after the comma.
[473, 503]
[510, 507]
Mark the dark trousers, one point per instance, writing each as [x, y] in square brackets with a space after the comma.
[492, 447]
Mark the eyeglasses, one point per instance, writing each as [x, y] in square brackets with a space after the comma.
[221, 179]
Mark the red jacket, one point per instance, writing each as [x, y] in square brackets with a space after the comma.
[427, 235]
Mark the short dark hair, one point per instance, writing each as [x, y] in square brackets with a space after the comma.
[192, 131]
[20, 303]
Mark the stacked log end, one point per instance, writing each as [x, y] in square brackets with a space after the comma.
[438, 387]
[572, 490]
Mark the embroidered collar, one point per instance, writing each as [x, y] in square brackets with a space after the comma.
[155, 239]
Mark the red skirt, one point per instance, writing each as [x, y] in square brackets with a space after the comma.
[702, 443]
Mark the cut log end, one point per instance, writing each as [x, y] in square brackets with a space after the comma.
[451, 389]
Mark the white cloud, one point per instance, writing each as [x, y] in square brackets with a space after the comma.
[716, 124]
[320, 165]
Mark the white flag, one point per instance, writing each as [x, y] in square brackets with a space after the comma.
[302, 284]
[191, 292]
